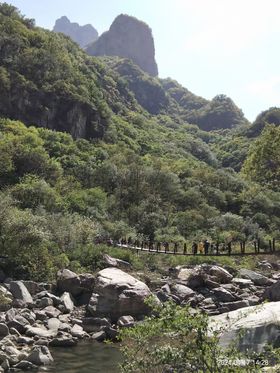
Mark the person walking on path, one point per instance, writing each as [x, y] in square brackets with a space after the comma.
[194, 248]
[200, 247]
[206, 247]
[217, 248]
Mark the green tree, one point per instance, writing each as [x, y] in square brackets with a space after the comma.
[263, 162]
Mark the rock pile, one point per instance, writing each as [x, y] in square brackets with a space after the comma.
[216, 290]
[36, 316]
[77, 307]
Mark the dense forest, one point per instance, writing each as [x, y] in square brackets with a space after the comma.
[95, 148]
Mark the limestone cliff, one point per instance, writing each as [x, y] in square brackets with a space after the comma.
[130, 38]
[83, 35]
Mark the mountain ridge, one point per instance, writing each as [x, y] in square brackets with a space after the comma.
[82, 35]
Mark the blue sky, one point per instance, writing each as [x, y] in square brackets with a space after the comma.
[209, 46]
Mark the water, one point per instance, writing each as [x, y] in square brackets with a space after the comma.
[86, 357]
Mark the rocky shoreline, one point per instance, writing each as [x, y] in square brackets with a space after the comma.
[35, 316]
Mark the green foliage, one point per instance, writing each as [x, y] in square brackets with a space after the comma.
[263, 162]
[221, 112]
[115, 155]
[33, 192]
[34, 60]
[178, 339]
[270, 116]
[24, 238]
[82, 190]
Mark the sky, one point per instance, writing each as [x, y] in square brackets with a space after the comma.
[209, 46]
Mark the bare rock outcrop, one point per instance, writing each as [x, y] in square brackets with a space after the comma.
[129, 38]
[82, 35]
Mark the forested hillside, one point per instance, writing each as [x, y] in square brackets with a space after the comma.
[94, 147]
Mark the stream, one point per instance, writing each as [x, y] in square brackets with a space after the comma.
[86, 357]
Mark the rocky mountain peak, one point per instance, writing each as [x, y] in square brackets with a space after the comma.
[130, 38]
[83, 35]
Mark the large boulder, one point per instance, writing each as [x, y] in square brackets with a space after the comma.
[76, 285]
[20, 292]
[41, 331]
[272, 293]
[182, 292]
[67, 302]
[117, 294]
[256, 278]
[94, 324]
[40, 356]
[78, 331]
[37, 287]
[4, 330]
[224, 295]
[192, 277]
[44, 302]
[56, 301]
[242, 282]
[64, 340]
[260, 325]
[68, 281]
[51, 311]
[221, 274]
[114, 262]
[53, 324]
[19, 323]
[203, 275]
[183, 273]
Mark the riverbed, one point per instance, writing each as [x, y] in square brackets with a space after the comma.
[86, 357]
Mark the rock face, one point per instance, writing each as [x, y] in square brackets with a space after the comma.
[130, 38]
[118, 294]
[260, 324]
[83, 35]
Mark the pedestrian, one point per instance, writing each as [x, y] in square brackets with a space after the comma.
[185, 248]
[206, 247]
[200, 247]
[217, 248]
[158, 246]
[194, 248]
